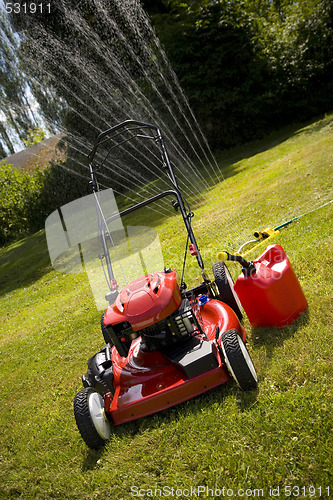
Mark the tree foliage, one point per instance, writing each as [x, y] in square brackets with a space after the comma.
[19, 192]
[246, 66]
[251, 65]
[92, 59]
[34, 136]
[22, 102]
[15, 113]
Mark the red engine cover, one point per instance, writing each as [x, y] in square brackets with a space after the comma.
[145, 301]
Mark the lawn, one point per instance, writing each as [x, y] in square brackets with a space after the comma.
[274, 442]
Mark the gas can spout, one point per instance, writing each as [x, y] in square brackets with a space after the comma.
[248, 268]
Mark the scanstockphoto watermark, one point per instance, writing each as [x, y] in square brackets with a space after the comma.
[195, 492]
[225, 492]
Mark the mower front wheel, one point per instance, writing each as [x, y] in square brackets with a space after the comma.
[225, 286]
[94, 427]
[238, 360]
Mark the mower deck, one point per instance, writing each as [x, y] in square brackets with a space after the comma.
[150, 381]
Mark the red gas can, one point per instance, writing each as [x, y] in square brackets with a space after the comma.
[272, 295]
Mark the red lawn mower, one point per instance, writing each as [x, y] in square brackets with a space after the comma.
[164, 343]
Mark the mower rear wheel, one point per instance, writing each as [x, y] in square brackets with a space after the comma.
[238, 360]
[90, 418]
[225, 286]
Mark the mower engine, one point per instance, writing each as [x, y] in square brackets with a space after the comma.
[172, 330]
[153, 308]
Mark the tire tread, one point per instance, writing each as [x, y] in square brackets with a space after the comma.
[84, 421]
[244, 377]
[225, 292]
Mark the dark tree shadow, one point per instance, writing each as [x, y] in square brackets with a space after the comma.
[24, 263]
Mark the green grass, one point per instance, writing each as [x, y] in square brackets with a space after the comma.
[278, 436]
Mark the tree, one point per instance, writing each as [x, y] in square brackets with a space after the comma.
[17, 115]
[297, 44]
[103, 61]
[249, 66]
[210, 46]
[25, 103]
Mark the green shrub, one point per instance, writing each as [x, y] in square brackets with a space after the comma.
[34, 136]
[19, 192]
[62, 183]
[26, 199]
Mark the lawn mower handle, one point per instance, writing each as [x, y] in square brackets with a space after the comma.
[105, 136]
[114, 129]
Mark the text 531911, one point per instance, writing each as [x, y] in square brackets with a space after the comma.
[27, 8]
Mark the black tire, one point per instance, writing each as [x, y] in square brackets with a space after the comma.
[106, 336]
[225, 288]
[84, 420]
[238, 361]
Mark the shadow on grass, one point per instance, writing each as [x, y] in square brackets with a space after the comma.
[91, 459]
[119, 433]
[24, 262]
[272, 337]
[229, 157]
[195, 406]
